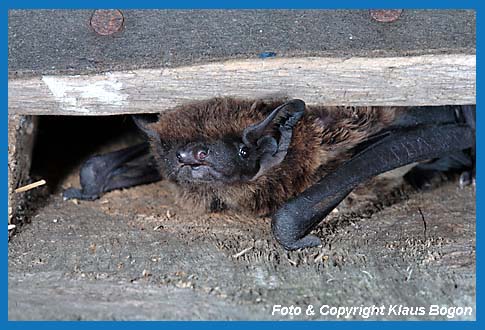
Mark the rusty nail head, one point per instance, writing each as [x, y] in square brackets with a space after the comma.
[386, 16]
[106, 22]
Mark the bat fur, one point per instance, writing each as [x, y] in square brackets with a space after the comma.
[322, 139]
[282, 158]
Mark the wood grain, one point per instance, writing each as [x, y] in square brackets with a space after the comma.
[416, 80]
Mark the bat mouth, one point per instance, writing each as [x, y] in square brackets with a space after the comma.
[199, 173]
[193, 167]
[203, 173]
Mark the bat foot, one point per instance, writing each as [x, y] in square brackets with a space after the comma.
[423, 175]
[467, 178]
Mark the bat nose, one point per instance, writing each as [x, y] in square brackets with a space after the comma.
[192, 155]
[184, 156]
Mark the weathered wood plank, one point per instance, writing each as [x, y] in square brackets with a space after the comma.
[42, 41]
[418, 80]
[21, 136]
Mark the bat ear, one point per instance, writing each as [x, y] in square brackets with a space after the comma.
[144, 121]
[291, 109]
[269, 151]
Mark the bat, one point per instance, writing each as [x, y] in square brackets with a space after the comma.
[282, 158]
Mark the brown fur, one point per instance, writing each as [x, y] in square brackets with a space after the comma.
[321, 140]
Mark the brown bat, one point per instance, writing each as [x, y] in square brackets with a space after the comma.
[281, 157]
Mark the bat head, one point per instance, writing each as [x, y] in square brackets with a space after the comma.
[221, 145]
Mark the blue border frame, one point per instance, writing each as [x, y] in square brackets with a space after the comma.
[243, 4]
[273, 4]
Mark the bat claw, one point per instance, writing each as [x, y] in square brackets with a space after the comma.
[286, 230]
[308, 241]
[74, 193]
[467, 178]
[71, 193]
[114, 170]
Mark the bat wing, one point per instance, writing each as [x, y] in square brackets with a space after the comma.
[416, 136]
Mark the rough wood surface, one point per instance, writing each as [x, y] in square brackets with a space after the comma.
[63, 42]
[21, 134]
[134, 255]
[417, 80]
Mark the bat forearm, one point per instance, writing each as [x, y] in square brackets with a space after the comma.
[299, 216]
[115, 170]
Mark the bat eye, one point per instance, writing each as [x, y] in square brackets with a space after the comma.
[202, 154]
[243, 151]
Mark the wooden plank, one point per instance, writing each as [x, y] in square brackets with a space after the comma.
[416, 80]
[41, 41]
[21, 136]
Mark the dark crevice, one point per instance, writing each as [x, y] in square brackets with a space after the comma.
[63, 143]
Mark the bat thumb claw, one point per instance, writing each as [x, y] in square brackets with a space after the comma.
[308, 241]
[286, 232]
[71, 193]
